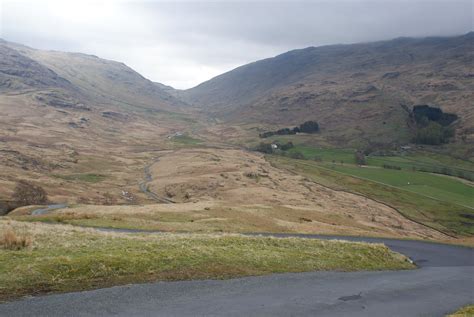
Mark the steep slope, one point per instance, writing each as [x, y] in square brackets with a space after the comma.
[79, 125]
[357, 92]
[21, 72]
[101, 80]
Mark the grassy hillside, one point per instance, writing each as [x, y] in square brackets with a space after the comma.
[437, 201]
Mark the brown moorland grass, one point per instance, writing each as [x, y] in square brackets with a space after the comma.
[10, 240]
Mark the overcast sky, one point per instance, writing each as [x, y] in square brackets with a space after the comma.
[183, 43]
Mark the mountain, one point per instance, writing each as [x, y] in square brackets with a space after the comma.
[70, 120]
[98, 80]
[358, 93]
[19, 72]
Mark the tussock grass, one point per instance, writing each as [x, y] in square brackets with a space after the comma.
[67, 258]
[10, 240]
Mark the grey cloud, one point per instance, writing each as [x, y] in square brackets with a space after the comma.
[182, 43]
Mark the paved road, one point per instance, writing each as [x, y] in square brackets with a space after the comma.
[45, 210]
[444, 282]
[143, 185]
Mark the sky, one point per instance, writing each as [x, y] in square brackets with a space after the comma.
[183, 43]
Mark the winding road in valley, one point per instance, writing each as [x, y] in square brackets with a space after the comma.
[443, 282]
[143, 185]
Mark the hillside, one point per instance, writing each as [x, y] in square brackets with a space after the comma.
[78, 124]
[100, 80]
[358, 93]
[94, 132]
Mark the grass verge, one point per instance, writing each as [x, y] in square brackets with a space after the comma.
[65, 258]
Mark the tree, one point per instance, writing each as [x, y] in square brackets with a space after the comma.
[264, 148]
[309, 127]
[26, 193]
[287, 146]
[360, 158]
[433, 134]
[266, 134]
[285, 131]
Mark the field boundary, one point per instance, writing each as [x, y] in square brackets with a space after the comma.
[373, 199]
[384, 184]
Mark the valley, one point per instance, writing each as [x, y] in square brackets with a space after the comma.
[133, 165]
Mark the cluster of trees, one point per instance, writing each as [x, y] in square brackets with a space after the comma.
[268, 147]
[433, 114]
[432, 125]
[286, 146]
[306, 127]
[433, 134]
[264, 148]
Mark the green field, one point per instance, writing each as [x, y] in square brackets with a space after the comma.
[326, 155]
[428, 187]
[409, 178]
[413, 160]
[186, 140]
[438, 201]
[438, 187]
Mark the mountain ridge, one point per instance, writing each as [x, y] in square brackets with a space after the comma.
[98, 80]
[343, 85]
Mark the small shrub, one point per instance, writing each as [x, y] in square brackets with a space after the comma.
[297, 155]
[287, 146]
[109, 199]
[392, 167]
[27, 193]
[11, 241]
[251, 175]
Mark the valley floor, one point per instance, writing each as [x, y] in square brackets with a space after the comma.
[228, 190]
